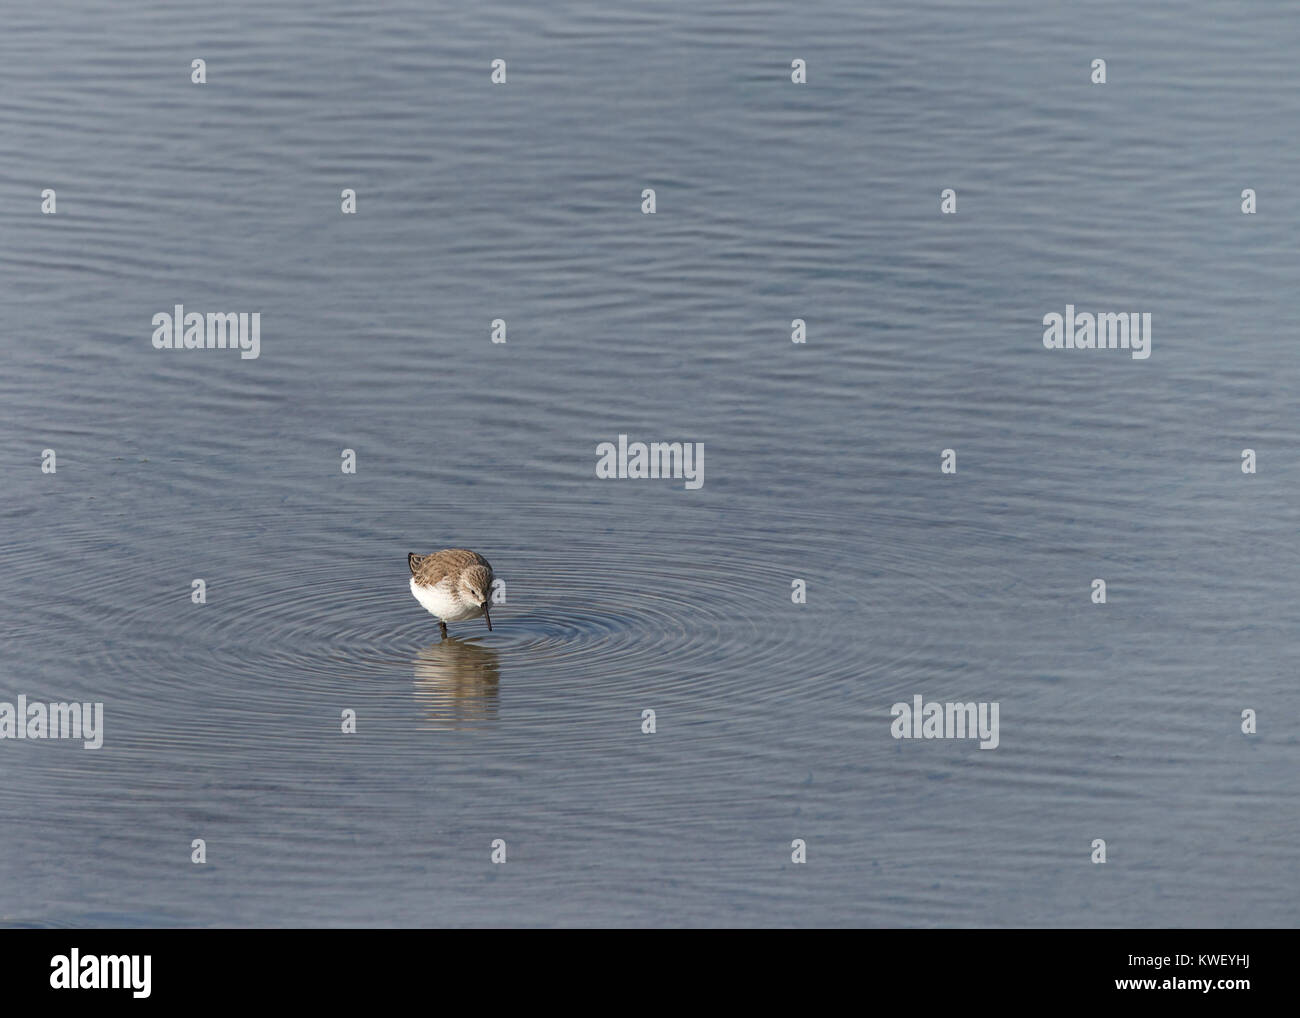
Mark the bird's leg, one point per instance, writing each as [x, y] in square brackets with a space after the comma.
[443, 626]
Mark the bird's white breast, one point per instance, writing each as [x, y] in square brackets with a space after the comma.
[443, 601]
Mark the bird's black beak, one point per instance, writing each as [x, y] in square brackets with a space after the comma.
[488, 617]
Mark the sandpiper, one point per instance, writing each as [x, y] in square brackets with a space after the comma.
[454, 584]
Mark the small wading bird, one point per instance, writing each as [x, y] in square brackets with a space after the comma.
[454, 584]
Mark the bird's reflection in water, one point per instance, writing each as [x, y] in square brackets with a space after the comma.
[456, 684]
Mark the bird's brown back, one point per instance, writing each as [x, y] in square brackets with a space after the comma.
[429, 570]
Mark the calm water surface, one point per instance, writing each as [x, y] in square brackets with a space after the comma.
[822, 463]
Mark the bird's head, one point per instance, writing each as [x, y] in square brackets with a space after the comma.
[476, 587]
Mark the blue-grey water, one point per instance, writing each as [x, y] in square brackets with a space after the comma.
[522, 201]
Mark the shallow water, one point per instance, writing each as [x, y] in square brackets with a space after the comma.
[222, 720]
